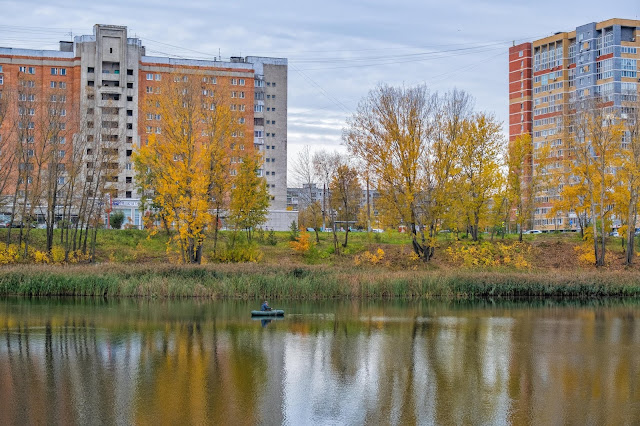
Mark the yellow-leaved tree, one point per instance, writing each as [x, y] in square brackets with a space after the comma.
[479, 153]
[249, 196]
[628, 192]
[594, 136]
[391, 132]
[188, 145]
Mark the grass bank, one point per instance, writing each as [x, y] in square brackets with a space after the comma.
[248, 281]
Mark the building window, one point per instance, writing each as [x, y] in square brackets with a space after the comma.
[258, 108]
[149, 89]
[241, 82]
[158, 77]
[149, 76]
[127, 194]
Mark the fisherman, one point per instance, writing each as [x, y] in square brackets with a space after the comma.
[265, 306]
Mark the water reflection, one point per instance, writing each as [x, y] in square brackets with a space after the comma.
[88, 362]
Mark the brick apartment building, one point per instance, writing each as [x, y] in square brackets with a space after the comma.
[595, 59]
[103, 80]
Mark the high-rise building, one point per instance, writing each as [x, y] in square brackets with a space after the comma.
[545, 76]
[103, 80]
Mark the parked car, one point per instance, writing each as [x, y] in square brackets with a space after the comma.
[4, 221]
[311, 230]
[533, 231]
[377, 231]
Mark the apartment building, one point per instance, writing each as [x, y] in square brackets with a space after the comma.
[596, 59]
[104, 79]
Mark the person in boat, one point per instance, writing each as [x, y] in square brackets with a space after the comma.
[265, 306]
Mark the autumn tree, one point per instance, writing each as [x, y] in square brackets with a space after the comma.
[346, 195]
[594, 135]
[249, 196]
[325, 165]
[221, 130]
[310, 211]
[392, 131]
[176, 166]
[453, 110]
[479, 152]
[524, 180]
[628, 170]
[8, 157]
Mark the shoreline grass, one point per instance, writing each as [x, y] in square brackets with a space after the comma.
[249, 281]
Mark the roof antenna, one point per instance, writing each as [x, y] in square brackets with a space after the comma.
[219, 57]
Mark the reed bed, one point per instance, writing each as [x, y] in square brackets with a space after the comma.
[312, 282]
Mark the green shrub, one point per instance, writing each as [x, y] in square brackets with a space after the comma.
[294, 232]
[272, 240]
[116, 220]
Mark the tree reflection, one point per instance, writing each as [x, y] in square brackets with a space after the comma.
[357, 362]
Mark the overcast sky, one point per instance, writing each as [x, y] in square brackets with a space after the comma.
[337, 50]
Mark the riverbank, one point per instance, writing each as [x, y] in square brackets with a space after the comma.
[250, 281]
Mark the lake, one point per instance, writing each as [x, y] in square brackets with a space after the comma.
[87, 361]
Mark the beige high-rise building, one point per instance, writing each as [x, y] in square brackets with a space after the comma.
[105, 77]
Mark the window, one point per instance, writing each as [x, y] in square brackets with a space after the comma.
[234, 82]
[520, 53]
[273, 84]
[0, 68]
[1, 79]
[149, 89]
[127, 194]
[259, 83]
[128, 166]
[149, 76]
[241, 82]
[258, 108]
[158, 77]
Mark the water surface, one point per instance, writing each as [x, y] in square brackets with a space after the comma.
[84, 361]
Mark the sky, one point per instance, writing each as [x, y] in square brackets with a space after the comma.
[337, 50]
